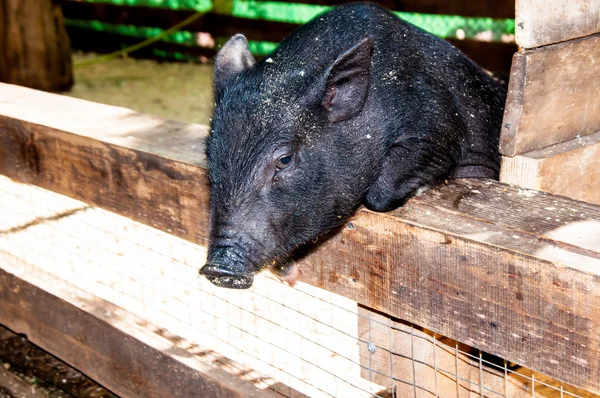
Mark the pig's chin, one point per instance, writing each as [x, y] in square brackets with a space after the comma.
[224, 277]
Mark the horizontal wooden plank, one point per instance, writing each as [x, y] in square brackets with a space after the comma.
[539, 23]
[101, 42]
[571, 168]
[486, 8]
[552, 96]
[513, 272]
[492, 56]
[216, 24]
[127, 359]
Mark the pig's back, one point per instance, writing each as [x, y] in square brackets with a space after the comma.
[405, 58]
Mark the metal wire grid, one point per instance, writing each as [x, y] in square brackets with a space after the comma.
[470, 373]
[311, 342]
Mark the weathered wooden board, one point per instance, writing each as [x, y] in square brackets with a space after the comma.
[513, 272]
[571, 168]
[35, 48]
[553, 96]
[128, 359]
[539, 23]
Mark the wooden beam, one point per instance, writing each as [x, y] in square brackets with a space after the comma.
[35, 49]
[539, 23]
[571, 169]
[128, 358]
[552, 96]
[513, 272]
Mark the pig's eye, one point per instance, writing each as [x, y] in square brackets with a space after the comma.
[284, 161]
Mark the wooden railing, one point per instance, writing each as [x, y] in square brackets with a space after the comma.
[513, 272]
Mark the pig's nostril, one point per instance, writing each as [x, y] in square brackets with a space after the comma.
[225, 277]
[217, 270]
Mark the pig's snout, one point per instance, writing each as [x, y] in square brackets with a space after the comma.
[221, 276]
[222, 270]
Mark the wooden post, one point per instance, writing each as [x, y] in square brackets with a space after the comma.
[549, 137]
[34, 50]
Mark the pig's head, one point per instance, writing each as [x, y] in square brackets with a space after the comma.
[290, 154]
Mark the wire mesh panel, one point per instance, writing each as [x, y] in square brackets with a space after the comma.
[415, 362]
[303, 338]
[299, 341]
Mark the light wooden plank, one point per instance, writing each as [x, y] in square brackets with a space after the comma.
[553, 96]
[539, 23]
[571, 169]
[513, 272]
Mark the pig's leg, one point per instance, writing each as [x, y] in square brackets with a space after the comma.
[289, 273]
[409, 166]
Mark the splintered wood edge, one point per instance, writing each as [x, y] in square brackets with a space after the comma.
[500, 268]
[540, 23]
[570, 168]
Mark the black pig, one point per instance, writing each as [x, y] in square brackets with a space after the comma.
[357, 106]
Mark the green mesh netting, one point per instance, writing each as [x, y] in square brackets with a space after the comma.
[446, 26]
[197, 5]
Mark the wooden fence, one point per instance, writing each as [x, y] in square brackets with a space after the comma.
[506, 269]
[510, 271]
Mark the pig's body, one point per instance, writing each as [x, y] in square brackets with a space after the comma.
[369, 109]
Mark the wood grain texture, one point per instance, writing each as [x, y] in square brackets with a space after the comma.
[539, 23]
[571, 169]
[513, 272]
[125, 357]
[34, 45]
[553, 96]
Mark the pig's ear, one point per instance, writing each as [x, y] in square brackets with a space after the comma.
[232, 59]
[348, 80]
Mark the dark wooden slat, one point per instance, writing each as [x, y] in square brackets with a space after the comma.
[102, 43]
[484, 8]
[491, 56]
[216, 24]
[105, 352]
[513, 272]
[487, 8]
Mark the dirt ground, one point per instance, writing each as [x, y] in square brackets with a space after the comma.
[29, 372]
[180, 91]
